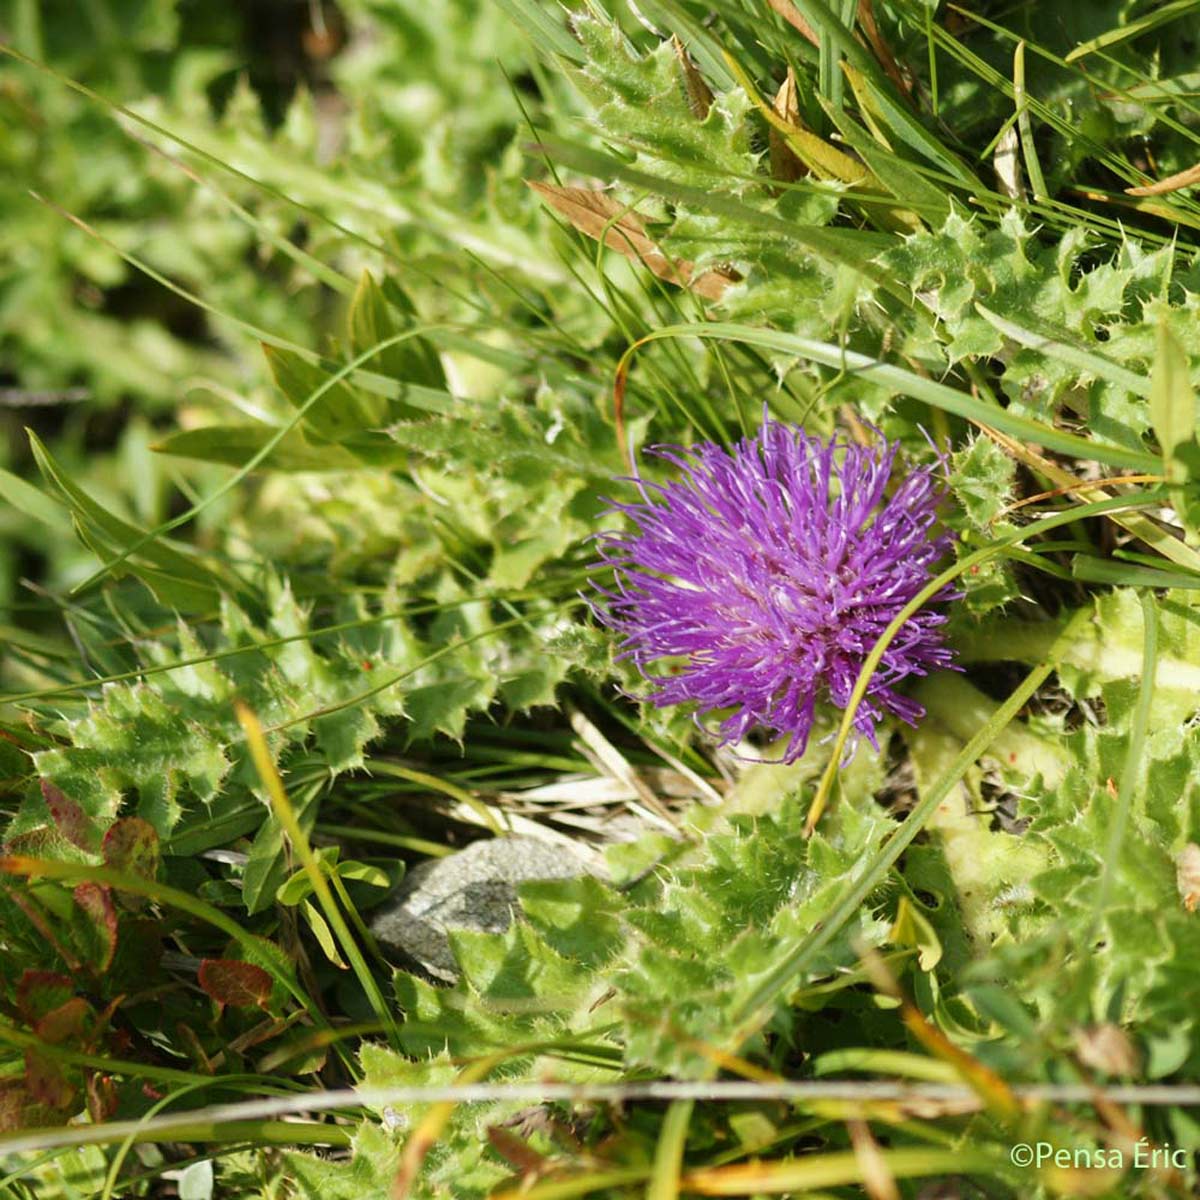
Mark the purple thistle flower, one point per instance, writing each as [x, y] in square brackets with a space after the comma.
[768, 571]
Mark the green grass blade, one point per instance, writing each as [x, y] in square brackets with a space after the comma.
[1135, 28]
[902, 121]
[1033, 167]
[1091, 569]
[668, 1155]
[550, 36]
[264, 764]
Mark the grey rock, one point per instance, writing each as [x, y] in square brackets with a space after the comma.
[474, 889]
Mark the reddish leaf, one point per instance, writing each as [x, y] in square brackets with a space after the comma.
[35, 843]
[73, 823]
[132, 845]
[65, 1023]
[516, 1151]
[231, 981]
[40, 992]
[100, 925]
[46, 1082]
[20, 1110]
[14, 1099]
[101, 1097]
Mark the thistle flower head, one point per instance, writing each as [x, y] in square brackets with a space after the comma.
[758, 581]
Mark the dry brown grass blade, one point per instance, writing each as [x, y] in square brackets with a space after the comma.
[605, 219]
[1083, 485]
[986, 1084]
[609, 760]
[870, 30]
[878, 1182]
[1172, 183]
[1150, 206]
[880, 48]
[788, 11]
[517, 1153]
[699, 96]
[785, 166]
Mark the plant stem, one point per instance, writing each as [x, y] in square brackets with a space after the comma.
[982, 862]
[961, 708]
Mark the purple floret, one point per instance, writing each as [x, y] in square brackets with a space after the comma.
[765, 574]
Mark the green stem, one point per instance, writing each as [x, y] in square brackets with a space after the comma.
[983, 863]
[961, 708]
[1111, 653]
[668, 1157]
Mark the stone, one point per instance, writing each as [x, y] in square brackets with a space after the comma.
[473, 889]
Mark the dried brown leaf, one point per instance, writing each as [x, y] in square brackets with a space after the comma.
[785, 165]
[788, 11]
[234, 982]
[1187, 875]
[605, 219]
[699, 95]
